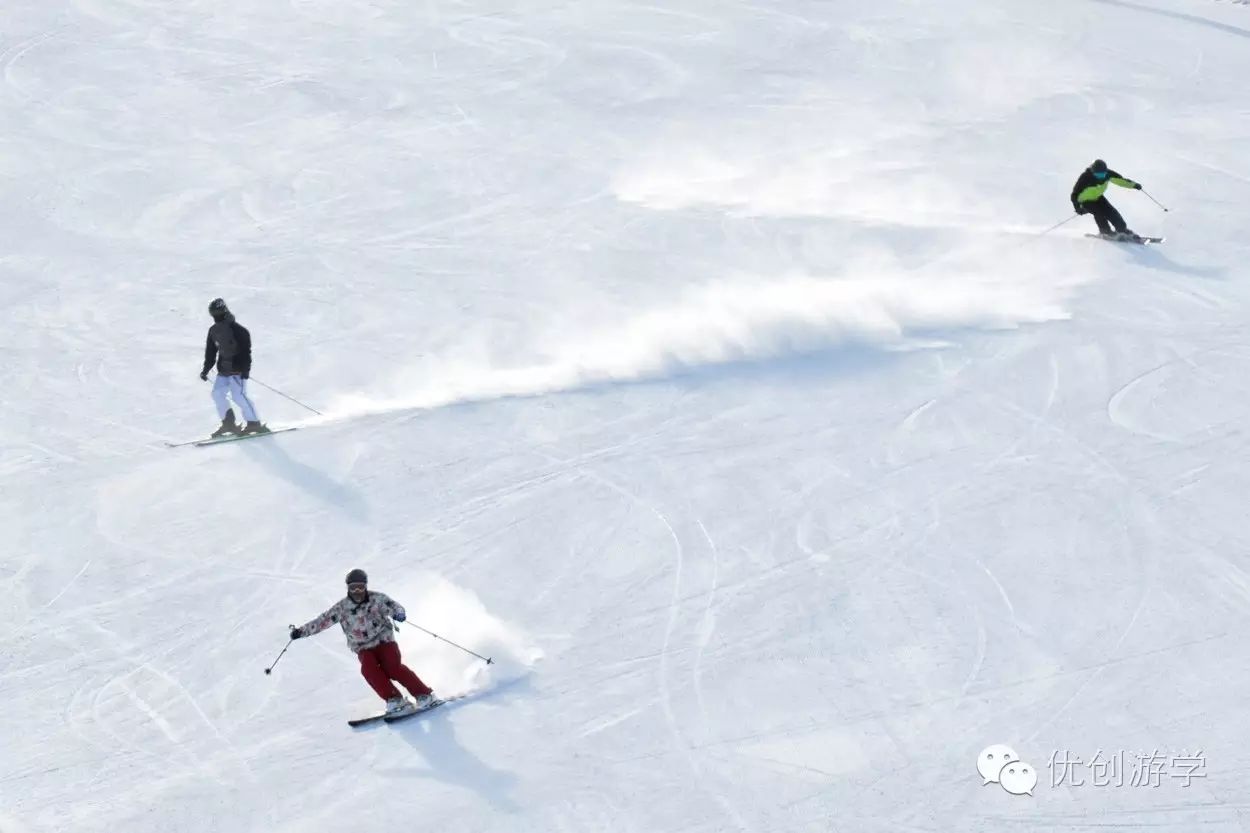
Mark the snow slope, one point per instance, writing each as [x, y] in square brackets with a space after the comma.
[700, 362]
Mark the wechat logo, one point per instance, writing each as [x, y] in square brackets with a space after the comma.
[999, 764]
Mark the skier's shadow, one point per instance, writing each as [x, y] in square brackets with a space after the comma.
[273, 457]
[434, 736]
[1152, 257]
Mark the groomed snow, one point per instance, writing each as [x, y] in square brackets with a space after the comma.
[699, 362]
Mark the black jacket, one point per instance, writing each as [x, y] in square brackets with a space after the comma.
[229, 344]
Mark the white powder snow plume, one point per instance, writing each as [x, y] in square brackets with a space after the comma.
[742, 319]
[455, 614]
[887, 291]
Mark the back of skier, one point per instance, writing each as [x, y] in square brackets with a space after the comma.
[365, 617]
[1087, 197]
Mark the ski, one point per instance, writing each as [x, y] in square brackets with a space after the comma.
[229, 438]
[365, 721]
[1117, 238]
[382, 718]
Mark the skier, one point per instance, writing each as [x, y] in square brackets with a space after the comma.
[1087, 197]
[365, 618]
[229, 344]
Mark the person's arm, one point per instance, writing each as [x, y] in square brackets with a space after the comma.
[1124, 182]
[243, 355]
[1080, 186]
[392, 607]
[331, 617]
[210, 355]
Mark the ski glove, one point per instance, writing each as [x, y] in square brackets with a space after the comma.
[1136, 186]
[399, 616]
[296, 633]
[203, 375]
[1078, 208]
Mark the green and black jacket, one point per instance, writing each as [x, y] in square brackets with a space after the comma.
[1088, 189]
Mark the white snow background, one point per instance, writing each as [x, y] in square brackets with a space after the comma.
[699, 362]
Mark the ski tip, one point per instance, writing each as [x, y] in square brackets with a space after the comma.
[356, 723]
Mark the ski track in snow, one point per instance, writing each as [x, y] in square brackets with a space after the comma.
[681, 741]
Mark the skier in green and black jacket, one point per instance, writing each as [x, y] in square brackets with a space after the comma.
[1087, 197]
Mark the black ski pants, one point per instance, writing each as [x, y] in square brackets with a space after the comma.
[1105, 215]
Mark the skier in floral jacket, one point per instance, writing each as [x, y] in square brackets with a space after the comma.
[366, 619]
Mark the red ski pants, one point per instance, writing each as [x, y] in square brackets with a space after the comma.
[381, 664]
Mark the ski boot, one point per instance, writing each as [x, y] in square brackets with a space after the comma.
[399, 706]
[228, 426]
[254, 427]
[427, 701]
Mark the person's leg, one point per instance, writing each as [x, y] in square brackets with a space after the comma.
[238, 392]
[393, 666]
[375, 676]
[1114, 217]
[1099, 209]
[221, 386]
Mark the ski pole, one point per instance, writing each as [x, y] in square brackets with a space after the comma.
[1057, 225]
[1156, 202]
[488, 660]
[292, 398]
[269, 670]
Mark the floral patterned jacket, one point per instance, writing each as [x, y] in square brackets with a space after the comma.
[367, 624]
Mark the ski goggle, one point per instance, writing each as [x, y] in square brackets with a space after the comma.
[1099, 174]
[357, 587]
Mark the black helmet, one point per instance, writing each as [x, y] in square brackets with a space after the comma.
[217, 308]
[1099, 166]
[357, 576]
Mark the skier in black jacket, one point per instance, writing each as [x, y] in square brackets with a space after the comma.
[229, 344]
[1087, 197]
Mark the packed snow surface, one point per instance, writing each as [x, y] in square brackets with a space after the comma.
[701, 362]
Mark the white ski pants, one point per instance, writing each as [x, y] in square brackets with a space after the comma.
[234, 387]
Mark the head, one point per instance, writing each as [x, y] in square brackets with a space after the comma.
[1098, 169]
[218, 309]
[357, 585]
